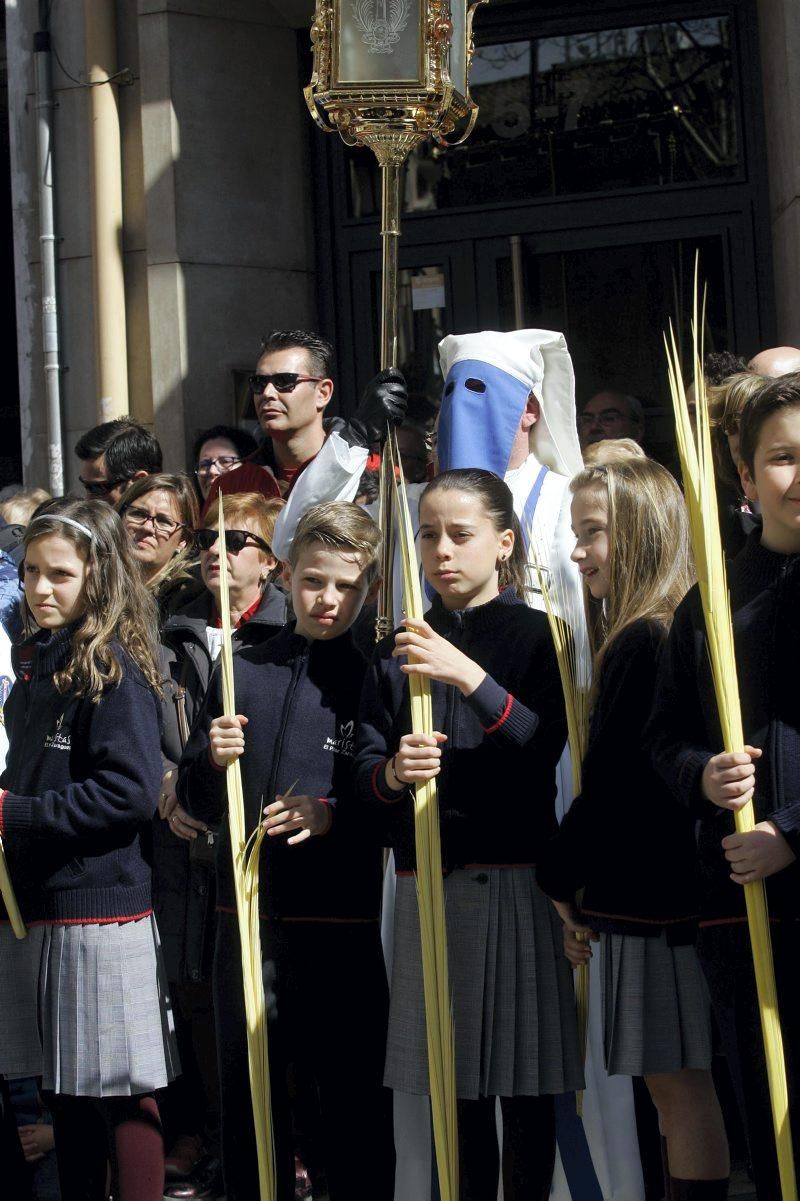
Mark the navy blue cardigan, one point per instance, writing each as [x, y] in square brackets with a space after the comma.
[80, 788]
[625, 839]
[496, 788]
[684, 731]
[301, 699]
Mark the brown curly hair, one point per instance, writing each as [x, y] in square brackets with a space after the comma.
[119, 608]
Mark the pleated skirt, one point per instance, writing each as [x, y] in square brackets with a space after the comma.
[513, 997]
[656, 1015]
[105, 1010]
[20, 1042]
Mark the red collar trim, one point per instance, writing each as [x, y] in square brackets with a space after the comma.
[244, 617]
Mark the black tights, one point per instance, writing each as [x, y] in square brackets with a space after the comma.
[91, 1133]
[529, 1148]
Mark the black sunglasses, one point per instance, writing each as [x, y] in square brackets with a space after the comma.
[102, 487]
[235, 540]
[282, 381]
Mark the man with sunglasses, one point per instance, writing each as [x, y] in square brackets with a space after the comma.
[292, 387]
[113, 455]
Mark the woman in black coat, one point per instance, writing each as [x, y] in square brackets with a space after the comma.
[184, 849]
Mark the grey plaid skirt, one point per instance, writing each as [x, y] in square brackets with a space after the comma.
[513, 998]
[20, 1044]
[655, 1006]
[105, 1011]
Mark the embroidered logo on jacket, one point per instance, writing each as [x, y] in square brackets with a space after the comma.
[344, 744]
[58, 741]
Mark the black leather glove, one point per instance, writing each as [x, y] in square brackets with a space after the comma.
[383, 405]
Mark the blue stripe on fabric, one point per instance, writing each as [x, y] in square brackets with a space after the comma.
[576, 1157]
[530, 508]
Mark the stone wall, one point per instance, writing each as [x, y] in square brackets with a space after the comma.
[217, 231]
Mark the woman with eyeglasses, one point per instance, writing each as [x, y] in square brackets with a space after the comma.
[160, 514]
[184, 848]
[217, 451]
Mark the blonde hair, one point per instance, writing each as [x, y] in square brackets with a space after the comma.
[18, 508]
[612, 450]
[726, 403]
[180, 486]
[650, 558]
[343, 527]
[726, 400]
[248, 506]
[119, 608]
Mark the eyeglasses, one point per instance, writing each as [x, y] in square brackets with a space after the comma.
[282, 381]
[235, 540]
[102, 487]
[606, 417]
[222, 462]
[162, 525]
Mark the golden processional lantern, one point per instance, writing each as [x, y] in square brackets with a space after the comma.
[388, 74]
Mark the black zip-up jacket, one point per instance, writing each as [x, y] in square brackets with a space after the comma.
[301, 699]
[496, 788]
[183, 888]
[80, 788]
[625, 838]
[684, 731]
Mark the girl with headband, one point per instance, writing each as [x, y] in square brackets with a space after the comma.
[79, 791]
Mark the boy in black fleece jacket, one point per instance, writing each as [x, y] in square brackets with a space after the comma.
[764, 584]
[321, 872]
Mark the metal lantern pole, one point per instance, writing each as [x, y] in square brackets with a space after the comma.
[382, 80]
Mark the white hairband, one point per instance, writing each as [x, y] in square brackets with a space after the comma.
[84, 529]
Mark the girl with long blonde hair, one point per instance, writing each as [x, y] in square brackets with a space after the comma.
[79, 791]
[626, 847]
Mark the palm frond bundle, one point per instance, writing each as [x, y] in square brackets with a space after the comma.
[430, 881]
[9, 897]
[246, 883]
[697, 465]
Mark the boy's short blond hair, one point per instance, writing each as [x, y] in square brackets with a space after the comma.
[340, 526]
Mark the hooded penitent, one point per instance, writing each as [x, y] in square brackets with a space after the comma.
[488, 378]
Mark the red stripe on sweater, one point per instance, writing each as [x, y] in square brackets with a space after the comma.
[503, 716]
[119, 920]
[374, 782]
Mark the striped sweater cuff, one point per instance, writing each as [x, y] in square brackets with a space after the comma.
[501, 713]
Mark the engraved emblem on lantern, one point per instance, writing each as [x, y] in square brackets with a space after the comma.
[382, 22]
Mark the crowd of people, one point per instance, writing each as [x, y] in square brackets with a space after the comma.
[123, 1049]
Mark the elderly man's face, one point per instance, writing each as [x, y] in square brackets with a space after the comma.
[606, 415]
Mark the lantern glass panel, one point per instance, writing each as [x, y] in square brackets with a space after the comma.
[378, 41]
[458, 48]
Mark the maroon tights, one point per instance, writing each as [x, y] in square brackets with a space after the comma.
[92, 1133]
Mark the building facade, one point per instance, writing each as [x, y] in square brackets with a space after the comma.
[616, 140]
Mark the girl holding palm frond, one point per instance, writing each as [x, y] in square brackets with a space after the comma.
[498, 707]
[626, 841]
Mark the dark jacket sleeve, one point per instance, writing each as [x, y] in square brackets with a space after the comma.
[622, 705]
[504, 718]
[677, 732]
[378, 738]
[202, 786]
[171, 742]
[541, 696]
[120, 739]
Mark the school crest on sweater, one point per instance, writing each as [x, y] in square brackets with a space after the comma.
[345, 743]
